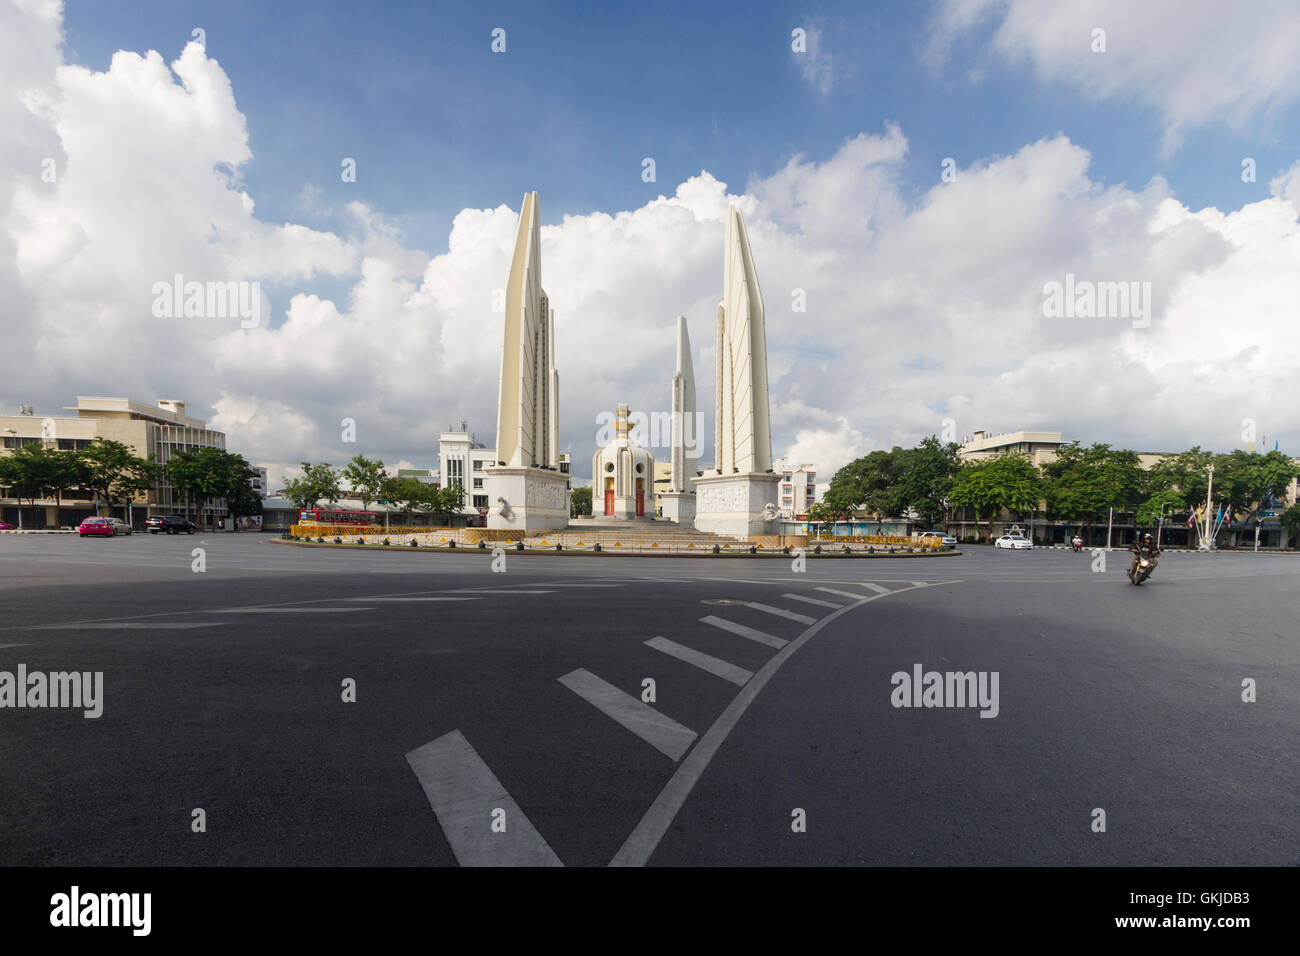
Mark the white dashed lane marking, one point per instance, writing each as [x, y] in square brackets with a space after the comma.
[850, 594]
[465, 794]
[879, 589]
[781, 612]
[808, 600]
[378, 599]
[714, 665]
[290, 610]
[771, 640]
[130, 626]
[660, 731]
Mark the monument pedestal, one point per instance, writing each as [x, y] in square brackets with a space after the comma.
[734, 504]
[678, 506]
[535, 499]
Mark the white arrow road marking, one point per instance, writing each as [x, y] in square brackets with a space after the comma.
[714, 665]
[771, 640]
[464, 792]
[808, 600]
[660, 731]
[781, 612]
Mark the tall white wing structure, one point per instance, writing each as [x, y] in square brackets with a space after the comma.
[742, 428]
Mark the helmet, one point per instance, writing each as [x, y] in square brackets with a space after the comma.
[1147, 536]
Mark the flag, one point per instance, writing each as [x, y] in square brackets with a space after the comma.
[1191, 520]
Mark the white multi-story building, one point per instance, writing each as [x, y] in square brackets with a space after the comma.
[798, 489]
[258, 481]
[462, 460]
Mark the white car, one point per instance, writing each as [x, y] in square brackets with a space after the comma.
[119, 526]
[946, 540]
[1016, 541]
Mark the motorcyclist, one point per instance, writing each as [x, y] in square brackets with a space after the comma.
[1076, 542]
[1143, 547]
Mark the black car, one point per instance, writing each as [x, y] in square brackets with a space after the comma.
[172, 524]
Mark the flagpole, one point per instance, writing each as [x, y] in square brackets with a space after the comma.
[1209, 514]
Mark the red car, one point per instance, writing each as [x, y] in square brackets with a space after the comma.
[98, 526]
[6, 526]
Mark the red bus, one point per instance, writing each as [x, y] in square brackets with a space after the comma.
[322, 516]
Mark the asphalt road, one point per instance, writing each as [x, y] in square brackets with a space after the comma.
[499, 717]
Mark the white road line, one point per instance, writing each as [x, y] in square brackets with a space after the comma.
[290, 610]
[847, 594]
[558, 584]
[780, 612]
[879, 589]
[714, 665]
[386, 599]
[808, 600]
[919, 584]
[639, 846]
[660, 731]
[771, 640]
[464, 793]
[128, 626]
[494, 591]
[3, 646]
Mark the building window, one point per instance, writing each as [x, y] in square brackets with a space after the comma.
[480, 501]
[478, 482]
[11, 442]
[478, 464]
[73, 444]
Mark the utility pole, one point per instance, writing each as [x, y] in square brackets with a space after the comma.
[1110, 521]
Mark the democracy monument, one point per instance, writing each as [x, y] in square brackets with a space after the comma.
[735, 498]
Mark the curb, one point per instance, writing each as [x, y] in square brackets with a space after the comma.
[586, 552]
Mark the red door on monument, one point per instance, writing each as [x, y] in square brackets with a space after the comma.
[640, 504]
[609, 502]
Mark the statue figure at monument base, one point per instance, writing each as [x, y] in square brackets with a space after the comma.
[736, 504]
[527, 499]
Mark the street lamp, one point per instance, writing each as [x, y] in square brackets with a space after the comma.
[1160, 522]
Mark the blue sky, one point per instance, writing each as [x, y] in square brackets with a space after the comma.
[924, 299]
[585, 91]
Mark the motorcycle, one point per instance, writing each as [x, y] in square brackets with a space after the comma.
[1144, 568]
[1077, 544]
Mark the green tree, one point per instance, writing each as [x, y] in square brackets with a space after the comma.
[870, 484]
[1250, 482]
[1291, 523]
[114, 472]
[1083, 484]
[409, 494]
[366, 479]
[203, 474]
[30, 472]
[1160, 506]
[1185, 473]
[319, 481]
[990, 485]
[449, 501]
[580, 502]
[924, 479]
